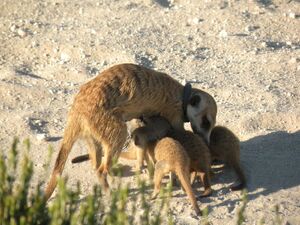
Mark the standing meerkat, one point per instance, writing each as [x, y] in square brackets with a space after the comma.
[170, 156]
[166, 153]
[225, 146]
[123, 92]
[199, 155]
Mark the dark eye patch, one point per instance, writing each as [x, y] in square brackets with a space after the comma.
[205, 123]
[195, 100]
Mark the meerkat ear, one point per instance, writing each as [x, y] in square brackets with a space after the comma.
[195, 100]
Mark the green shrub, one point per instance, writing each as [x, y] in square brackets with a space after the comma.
[19, 205]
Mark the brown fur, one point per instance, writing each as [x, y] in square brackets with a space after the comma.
[170, 156]
[199, 155]
[225, 146]
[119, 94]
[167, 154]
[133, 151]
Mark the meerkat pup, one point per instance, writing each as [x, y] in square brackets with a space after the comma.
[170, 156]
[166, 153]
[123, 92]
[194, 146]
[199, 155]
[225, 146]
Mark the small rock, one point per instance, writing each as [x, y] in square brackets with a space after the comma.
[223, 5]
[223, 34]
[41, 136]
[64, 57]
[21, 32]
[196, 20]
[34, 44]
[294, 60]
[13, 28]
[292, 15]
[251, 28]
[289, 43]
[255, 51]
[264, 44]
[93, 31]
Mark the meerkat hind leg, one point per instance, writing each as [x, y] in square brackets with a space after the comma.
[95, 152]
[140, 155]
[193, 177]
[111, 148]
[204, 176]
[161, 168]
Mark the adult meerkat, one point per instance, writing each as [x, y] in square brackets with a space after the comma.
[119, 94]
[225, 146]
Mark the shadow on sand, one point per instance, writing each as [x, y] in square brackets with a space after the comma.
[271, 163]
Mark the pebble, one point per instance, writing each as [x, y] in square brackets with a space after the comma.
[292, 15]
[251, 28]
[93, 31]
[264, 44]
[293, 60]
[223, 34]
[34, 44]
[64, 57]
[41, 136]
[196, 21]
[13, 28]
[21, 32]
[193, 21]
[289, 43]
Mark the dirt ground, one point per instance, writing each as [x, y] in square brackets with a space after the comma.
[244, 53]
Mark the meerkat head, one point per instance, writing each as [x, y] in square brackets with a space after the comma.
[202, 112]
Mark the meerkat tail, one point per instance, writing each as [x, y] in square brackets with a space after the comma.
[70, 136]
[183, 176]
[126, 155]
[81, 158]
[130, 154]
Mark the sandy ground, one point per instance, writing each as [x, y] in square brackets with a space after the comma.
[244, 53]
